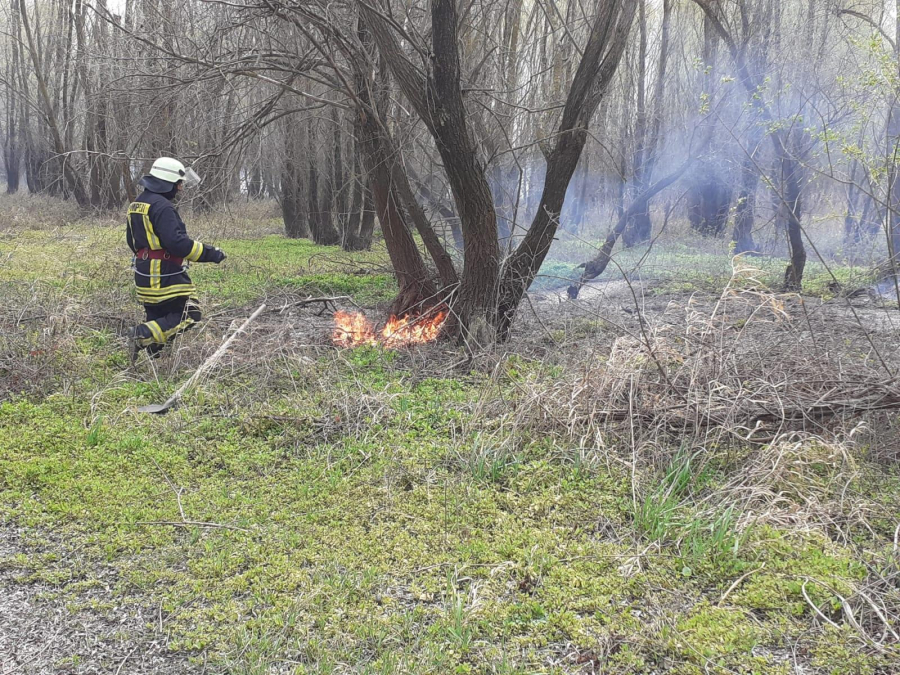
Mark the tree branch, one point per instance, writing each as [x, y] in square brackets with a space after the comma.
[869, 20]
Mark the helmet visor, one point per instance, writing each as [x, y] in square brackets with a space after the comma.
[191, 178]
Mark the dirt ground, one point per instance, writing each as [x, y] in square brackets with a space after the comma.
[40, 635]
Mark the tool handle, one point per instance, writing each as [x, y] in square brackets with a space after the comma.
[215, 357]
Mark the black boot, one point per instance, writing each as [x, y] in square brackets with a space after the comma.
[140, 337]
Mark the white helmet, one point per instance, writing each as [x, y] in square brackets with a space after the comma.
[172, 171]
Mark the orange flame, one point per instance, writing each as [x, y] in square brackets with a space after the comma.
[354, 329]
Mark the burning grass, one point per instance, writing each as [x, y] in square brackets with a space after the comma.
[353, 329]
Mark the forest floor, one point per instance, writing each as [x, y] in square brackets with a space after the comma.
[680, 472]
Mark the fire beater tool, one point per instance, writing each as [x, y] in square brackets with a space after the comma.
[159, 409]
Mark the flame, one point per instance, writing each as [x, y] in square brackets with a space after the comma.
[354, 329]
[351, 330]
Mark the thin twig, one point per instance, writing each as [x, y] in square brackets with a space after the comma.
[190, 523]
[738, 581]
[122, 664]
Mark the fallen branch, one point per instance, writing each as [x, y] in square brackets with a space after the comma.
[594, 268]
[175, 398]
[325, 301]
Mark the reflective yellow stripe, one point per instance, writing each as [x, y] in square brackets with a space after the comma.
[155, 271]
[187, 323]
[196, 252]
[142, 209]
[152, 239]
[156, 299]
[165, 290]
[158, 335]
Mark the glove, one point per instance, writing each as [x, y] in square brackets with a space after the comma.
[216, 255]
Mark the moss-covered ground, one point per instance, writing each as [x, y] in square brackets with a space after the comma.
[360, 511]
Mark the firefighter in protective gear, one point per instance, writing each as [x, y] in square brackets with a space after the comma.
[158, 238]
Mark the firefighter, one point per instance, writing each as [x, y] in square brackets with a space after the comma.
[158, 238]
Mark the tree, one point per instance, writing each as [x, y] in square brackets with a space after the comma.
[790, 169]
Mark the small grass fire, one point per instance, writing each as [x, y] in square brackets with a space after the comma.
[353, 329]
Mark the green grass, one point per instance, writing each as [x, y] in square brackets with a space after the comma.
[376, 550]
[381, 516]
[679, 268]
[80, 262]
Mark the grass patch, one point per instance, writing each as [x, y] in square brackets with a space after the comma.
[391, 510]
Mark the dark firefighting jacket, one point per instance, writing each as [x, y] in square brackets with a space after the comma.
[153, 224]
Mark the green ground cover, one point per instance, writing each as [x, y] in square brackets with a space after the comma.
[367, 514]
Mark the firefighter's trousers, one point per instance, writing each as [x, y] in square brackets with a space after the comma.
[165, 321]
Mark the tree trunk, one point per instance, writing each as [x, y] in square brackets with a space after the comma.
[414, 282]
[638, 231]
[367, 225]
[789, 166]
[361, 219]
[793, 275]
[595, 267]
[709, 201]
[428, 193]
[477, 307]
[323, 230]
[339, 178]
[744, 215]
[439, 103]
[412, 276]
[296, 222]
[893, 234]
[599, 63]
[295, 225]
[641, 226]
[12, 156]
[745, 209]
[73, 183]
